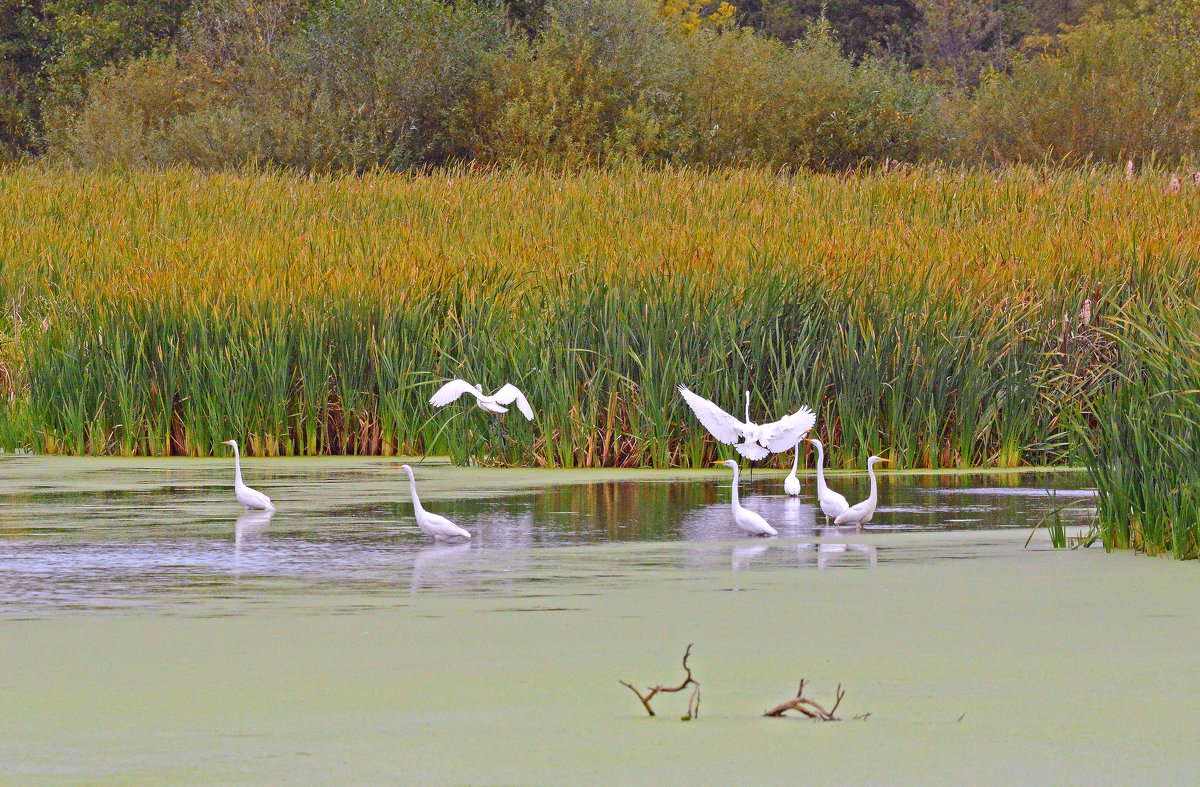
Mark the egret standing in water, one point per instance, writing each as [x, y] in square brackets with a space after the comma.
[438, 527]
[832, 504]
[759, 440]
[749, 522]
[252, 499]
[791, 484]
[860, 514]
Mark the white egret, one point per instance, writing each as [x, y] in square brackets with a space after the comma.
[252, 499]
[791, 484]
[750, 522]
[832, 504]
[496, 404]
[759, 439]
[860, 513]
[438, 527]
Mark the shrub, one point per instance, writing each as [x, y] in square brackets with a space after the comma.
[1106, 90]
[600, 82]
[753, 100]
[399, 77]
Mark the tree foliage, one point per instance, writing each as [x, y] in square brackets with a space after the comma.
[331, 84]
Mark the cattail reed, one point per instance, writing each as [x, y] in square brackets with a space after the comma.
[917, 310]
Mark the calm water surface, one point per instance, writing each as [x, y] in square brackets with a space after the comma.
[151, 632]
[93, 533]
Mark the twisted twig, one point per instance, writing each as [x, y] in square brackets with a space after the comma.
[809, 708]
[693, 708]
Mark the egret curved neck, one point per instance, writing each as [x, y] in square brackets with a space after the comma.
[412, 488]
[736, 478]
[874, 489]
[237, 465]
[747, 407]
[796, 460]
[820, 469]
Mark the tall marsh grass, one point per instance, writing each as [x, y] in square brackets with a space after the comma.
[952, 318]
[1144, 449]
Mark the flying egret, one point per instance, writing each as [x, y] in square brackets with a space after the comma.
[750, 522]
[252, 499]
[791, 484]
[832, 504]
[496, 404]
[860, 514]
[439, 527]
[759, 439]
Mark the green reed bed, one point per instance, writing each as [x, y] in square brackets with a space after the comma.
[951, 318]
[1144, 448]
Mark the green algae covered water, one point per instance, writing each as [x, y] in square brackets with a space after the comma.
[151, 631]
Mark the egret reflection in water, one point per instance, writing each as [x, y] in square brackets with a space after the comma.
[438, 565]
[839, 554]
[744, 555]
[250, 525]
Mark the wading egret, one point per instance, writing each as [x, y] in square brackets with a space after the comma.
[252, 499]
[750, 522]
[791, 484]
[439, 527]
[832, 504]
[759, 439]
[860, 514]
[495, 404]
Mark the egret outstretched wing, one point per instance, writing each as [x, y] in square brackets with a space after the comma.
[451, 391]
[511, 393]
[719, 423]
[785, 433]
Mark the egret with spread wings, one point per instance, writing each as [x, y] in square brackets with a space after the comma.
[759, 440]
[496, 404]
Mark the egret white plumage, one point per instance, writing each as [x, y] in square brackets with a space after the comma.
[860, 513]
[832, 504]
[759, 440]
[438, 527]
[749, 522]
[791, 484]
[496, 404]
[252, 499]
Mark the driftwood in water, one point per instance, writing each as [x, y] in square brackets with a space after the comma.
[810, 708]
[693, 708]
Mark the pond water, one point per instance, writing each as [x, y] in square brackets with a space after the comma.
[153, 631]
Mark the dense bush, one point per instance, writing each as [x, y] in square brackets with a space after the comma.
[753, 100]
[359, 84]
[369, 83]
[601, 80]
[1107, 90]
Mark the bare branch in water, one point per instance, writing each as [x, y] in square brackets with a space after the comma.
[693, 708]
[810, 708]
